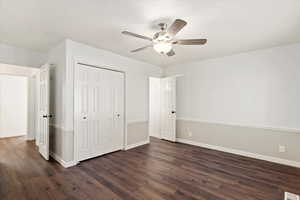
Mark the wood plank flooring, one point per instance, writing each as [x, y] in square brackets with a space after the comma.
[160, 171]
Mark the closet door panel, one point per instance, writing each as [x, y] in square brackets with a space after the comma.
[94, 111]
[108, 110]
[82, 112]
[118, 110]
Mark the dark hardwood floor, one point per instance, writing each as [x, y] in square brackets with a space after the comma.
[159, 171]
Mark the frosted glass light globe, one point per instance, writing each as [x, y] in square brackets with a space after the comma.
[162, 47]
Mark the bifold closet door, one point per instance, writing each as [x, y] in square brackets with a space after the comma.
[99, 111]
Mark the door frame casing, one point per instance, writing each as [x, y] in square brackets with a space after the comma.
[75, 81]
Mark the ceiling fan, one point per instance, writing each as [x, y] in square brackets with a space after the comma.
[163, 41]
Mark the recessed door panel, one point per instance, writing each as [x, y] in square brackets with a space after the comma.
[95, 81]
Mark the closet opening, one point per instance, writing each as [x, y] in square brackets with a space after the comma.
[99, 111]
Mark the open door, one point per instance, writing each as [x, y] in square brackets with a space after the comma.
[168, 109]
[44, 111]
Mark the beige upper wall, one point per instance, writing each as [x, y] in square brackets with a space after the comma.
[259, 88]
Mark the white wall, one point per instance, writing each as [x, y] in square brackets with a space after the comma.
[57, 59]
[259, 88]
[19, 56]
[13, 106]
[59, 139]
[32, 112]
[137, 74]
[137, 84]
[137, 92]
[154, 107]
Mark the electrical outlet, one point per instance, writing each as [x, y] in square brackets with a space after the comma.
[190, 133]
[281, 149]
[291, 196]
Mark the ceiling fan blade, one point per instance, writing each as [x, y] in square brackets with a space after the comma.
[191, 42]
[140, 49]
[176, 27]
[171, 53]
[136, 35]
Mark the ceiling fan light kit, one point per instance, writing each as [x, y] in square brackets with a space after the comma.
[162, 47]
[163, 41]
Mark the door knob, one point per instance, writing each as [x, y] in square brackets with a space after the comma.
[47, 116]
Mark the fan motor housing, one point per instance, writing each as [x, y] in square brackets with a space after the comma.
[162, 36]
[163, 26]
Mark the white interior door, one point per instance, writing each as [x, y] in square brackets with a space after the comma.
[168, 108]
[99, 111]
[118, 111]
[44, 111]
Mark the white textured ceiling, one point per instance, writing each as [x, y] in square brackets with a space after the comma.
[231, 26]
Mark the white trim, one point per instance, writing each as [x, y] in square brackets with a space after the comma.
[285, 129]
[291, 196]
[131, 146]
[242, 153]
[137, 121]
[62, 162]
[30, 138]
[13, 136]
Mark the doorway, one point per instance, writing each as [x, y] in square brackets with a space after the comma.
[13, 106]
[18, 109]
[162, 108]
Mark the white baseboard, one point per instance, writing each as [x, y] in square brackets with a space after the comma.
[242, 153]
[62, 162]
[131, 146]
[30, 138]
